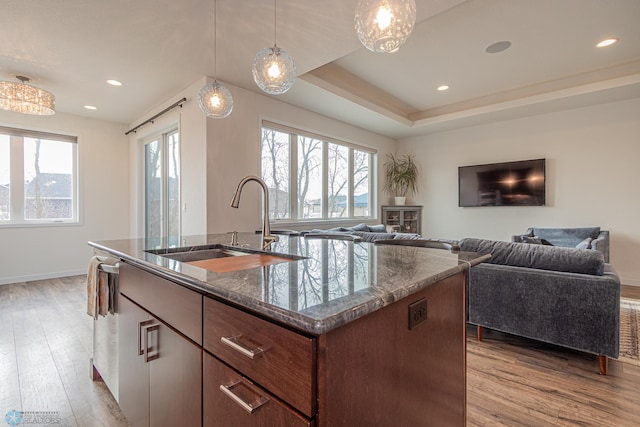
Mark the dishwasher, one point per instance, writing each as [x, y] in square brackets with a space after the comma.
[104, 363]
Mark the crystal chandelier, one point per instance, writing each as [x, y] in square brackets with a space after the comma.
[274, 71]
[384, 25]
[214, 99]
[23, 98]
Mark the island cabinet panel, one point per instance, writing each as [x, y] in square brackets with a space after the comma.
[174, 304]
[375, 371]
[280, 360]
[160, 372]
[232, 400]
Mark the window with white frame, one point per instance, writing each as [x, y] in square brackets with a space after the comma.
[38, 177]
[162, 186]
[311, 177]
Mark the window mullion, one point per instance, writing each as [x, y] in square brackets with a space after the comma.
[293, 177]
[17, 179]
[350, 184]
[325, 180]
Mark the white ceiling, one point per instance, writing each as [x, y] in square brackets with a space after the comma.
[159, 47]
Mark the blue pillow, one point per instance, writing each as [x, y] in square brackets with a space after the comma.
[377, 228]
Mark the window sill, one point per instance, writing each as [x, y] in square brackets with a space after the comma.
[40, 224]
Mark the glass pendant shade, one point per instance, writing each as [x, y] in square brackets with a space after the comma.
[274, 71]
[384, 25]
[215, 100]
[21, 97]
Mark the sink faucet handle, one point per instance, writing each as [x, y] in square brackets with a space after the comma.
[268, 240]
[234, 238]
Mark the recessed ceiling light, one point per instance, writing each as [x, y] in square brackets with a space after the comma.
[90, 107]
[443, 87]
[607, 42]
[114, 83]
[498, 47]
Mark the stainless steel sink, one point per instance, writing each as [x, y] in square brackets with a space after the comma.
[198, 253]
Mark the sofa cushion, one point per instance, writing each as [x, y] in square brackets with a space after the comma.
[359, 227]
[542, 257]
[566, 237]
[381, 228]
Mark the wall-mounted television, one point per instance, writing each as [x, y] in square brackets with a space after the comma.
[519, 183]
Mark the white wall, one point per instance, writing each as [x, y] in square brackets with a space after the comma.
[233, 151]
[593, 176]
[31, 253]
[193, 153]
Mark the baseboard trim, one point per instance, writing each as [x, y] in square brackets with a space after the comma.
[43, 276]
[630, 282]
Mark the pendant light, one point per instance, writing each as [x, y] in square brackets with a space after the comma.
[21, 97]
[214, 98]
[274, 71]
[384, 25]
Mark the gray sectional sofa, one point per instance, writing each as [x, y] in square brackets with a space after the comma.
[564, 296]
[580, 238]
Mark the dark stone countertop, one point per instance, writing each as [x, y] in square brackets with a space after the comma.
[336, 282]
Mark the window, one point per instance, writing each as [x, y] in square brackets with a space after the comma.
[162, 187]
[38, 177]
[311, 177]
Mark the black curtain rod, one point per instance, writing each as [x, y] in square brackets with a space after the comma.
[169, 108]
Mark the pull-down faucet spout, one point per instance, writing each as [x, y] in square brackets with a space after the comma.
[267, 238]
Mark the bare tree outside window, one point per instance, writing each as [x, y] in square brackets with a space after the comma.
[309, 178]
[275, 171]
[48, 179]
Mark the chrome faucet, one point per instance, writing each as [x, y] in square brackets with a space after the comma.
[267, 238]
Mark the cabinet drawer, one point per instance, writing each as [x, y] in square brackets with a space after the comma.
[278, 359]
[228, 399]
[174, 304]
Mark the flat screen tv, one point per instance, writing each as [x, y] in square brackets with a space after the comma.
[502, 184]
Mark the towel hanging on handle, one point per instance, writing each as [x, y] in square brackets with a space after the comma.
[101, 288]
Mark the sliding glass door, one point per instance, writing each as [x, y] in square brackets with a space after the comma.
[162, 188]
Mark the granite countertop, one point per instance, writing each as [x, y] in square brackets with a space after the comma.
[335, 282]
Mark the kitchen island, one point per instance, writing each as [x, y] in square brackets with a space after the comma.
[328, 333]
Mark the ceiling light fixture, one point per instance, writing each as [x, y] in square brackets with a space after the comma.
[384, 25]
[21, 97]
[214, 98]
[607, 42]
[274, 71]
[442, 88]
[90, 107]
[114, 82]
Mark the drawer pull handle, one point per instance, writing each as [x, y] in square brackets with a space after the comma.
[234, 343]
[150, 353]
[141, 325]
[249, 407]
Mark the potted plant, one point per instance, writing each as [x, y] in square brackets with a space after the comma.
[401, 174]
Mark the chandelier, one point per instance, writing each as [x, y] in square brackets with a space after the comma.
[384, 25]
[274, 71]
[214, 99]
[21, 97]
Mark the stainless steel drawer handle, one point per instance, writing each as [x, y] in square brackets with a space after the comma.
[141, 325]
[249, 407]
[235, 344]
[150, 353]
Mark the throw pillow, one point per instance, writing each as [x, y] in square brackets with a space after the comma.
[532, 240]
[585, 244]
[377, 228]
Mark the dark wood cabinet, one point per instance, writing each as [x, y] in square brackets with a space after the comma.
[160, 369]
[402, 219]
[396, 366]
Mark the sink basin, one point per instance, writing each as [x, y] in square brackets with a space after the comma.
[222, 258]
[197, 253]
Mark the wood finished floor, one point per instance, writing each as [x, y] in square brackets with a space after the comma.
[45, 345]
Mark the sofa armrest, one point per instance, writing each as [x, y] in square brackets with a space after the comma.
[601, 243]
[578, 311]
